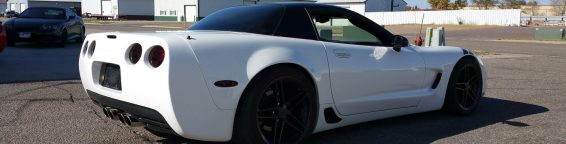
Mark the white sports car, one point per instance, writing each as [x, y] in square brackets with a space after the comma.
[273, 73]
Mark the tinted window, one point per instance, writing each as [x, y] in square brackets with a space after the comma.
[296, 24]
[47, 13]
[341, 25]
[339, 29]
[251, 19]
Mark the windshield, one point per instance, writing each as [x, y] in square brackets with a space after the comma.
[46, 13]
[251, 19]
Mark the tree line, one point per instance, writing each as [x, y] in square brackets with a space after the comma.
[560, 5]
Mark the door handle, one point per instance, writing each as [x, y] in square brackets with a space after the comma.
[342, 53]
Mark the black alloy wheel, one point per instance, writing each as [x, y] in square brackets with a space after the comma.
[465, 88]
[82, 36]
[63, 39]
[281, 110]
[10, 39]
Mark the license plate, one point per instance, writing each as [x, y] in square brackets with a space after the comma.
[110, 76]
[25, 34]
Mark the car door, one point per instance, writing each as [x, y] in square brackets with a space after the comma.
[365, 75]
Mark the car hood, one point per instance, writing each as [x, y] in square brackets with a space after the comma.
[33, 23]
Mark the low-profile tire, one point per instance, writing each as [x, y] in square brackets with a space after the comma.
[82, 36]
[63, 39]
[10, 41]
[465, 88]
[279, 106]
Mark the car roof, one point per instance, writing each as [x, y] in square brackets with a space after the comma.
[47, 8]
[302, 4]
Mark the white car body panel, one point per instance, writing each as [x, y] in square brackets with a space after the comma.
[182, 88]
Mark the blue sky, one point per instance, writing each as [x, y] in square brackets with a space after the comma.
[424, 4]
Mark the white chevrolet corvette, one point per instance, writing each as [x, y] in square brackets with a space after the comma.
[273, 73]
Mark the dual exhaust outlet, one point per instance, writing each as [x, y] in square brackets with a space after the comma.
[125, 118]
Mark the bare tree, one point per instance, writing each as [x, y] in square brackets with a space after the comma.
[511, 4]
[560, 7]
[485, 3]
[532, 8]
[459, 4]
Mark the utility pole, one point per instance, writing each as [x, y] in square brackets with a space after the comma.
[392, 2]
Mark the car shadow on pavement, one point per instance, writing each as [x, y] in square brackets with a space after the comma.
[419, 128]
[431, 126]
[30, 62]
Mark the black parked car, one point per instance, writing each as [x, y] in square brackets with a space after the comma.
[45, 24]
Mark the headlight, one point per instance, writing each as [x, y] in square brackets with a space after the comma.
[48, 27]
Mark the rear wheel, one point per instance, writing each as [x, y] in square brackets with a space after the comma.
[465, 88]
[278, 107]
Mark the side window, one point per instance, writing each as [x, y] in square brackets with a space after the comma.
[296, 24]
[341, 30]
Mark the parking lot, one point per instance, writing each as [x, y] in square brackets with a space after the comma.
[42, 100]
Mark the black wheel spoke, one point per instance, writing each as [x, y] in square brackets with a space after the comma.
[277, 119]
[295, 127]
[473, 80]
[460, 86]
[282, 92]
[298, 103]
[295, 98]
[464, 99]
[280, 125]
[296, 120]
[267, 109]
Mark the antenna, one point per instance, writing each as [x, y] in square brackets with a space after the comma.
[421, 30]
[419, 39]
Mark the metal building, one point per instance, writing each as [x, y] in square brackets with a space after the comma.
[123, 9]
[3, 6]
[193, 10]
[21, 5]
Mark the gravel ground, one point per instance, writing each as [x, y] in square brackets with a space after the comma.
[42, 100]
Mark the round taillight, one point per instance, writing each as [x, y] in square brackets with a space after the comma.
[91, 48]
[135, 53]
[156, 56]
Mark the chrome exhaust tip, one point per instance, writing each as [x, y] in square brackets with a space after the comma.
[122, 118]
[106, 113]
[132, 121]
[113, 113]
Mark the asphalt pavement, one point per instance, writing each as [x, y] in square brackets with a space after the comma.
[42, 100]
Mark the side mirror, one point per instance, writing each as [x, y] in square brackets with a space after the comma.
[399, 42]
[16, 15]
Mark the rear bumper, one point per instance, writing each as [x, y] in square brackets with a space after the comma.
[174, 95]
[43, 37]
[150, 117]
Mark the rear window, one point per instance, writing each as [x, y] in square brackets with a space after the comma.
[250, 19]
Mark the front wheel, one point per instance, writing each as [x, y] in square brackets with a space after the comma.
[278, 107]
[63, 39]
[465, 88]
[10, 41]
[82, 36]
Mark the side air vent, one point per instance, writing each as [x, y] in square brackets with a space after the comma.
[330, 116]
[436, 80]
